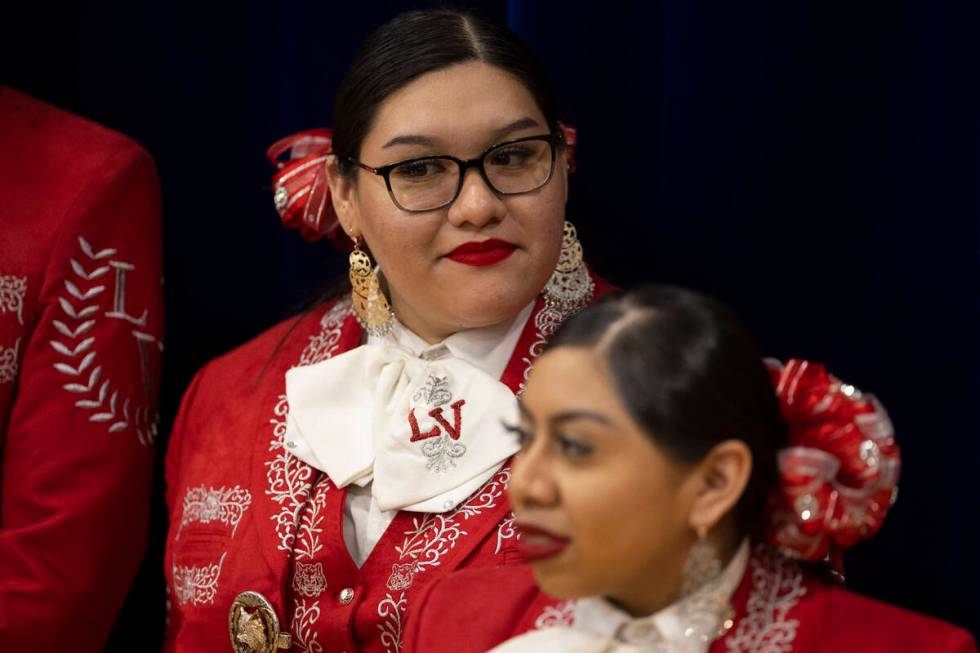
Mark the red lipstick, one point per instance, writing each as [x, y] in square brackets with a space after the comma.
[538, 544]
[483, 253]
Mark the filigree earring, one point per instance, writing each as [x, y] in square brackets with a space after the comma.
[570, 286]
[370, 304]
[705, 610]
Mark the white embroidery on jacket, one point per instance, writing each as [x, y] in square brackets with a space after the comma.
[506, 531]
[324, 344]
[309, 579]
[305, 617]
[208, 504]
[8, 362]
[81, 304]
[197, 585]
[432, 536]
[553, 616]
[288, 477]
[546, 322]
[777, 586]
[13, 290]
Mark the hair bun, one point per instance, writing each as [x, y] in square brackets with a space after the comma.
[300, 189]
[838, 477]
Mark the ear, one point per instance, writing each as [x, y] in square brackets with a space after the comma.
[720, 480]
[343, 194]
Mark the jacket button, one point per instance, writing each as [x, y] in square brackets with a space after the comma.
[346, 595]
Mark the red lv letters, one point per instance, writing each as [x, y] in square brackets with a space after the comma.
[453, 430]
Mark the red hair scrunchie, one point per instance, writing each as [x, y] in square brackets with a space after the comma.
[839, 474]
[300, 190]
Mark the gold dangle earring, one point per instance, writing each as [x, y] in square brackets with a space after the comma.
[570, 286]
[705, 611]
[370, 304]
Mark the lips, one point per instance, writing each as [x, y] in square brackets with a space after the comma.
[538, 544]
[486, 252]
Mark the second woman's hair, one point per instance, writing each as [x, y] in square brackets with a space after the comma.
[691, 376]
[419, 42]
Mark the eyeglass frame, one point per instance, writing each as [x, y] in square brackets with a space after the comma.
[553, 139]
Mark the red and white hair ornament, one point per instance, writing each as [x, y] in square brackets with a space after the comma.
[839, 475]
[300, 190]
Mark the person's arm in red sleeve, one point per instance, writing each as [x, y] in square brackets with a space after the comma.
[78, 454]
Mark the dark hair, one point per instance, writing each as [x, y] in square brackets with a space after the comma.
[418, 42]
[691, 376]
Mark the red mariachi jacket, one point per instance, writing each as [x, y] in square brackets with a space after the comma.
[248, 516]
[80, 344]
[778, 608]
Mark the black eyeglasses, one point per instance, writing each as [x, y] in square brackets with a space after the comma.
[432, 182]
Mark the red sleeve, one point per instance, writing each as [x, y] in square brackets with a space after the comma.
[470, 611]
[78, 454]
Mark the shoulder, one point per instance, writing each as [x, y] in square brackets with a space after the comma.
[487, 606]
[36, 130]
[852, 619]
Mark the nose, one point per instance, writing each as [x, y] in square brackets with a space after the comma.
[477, 203]
[531, 484]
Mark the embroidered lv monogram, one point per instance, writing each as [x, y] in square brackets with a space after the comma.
[442, 451]
[453, 430]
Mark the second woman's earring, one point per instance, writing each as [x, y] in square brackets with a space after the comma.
[704, 609]
[370, 304]
[570, 286]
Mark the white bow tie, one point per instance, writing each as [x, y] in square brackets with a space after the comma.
[426, 434]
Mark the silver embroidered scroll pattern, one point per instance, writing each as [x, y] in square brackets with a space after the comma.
[324, 344]
[506, 531]
[305, 617]
[204, 505]
[13, 290]
[81, 306]
[8, 362]
[554, 616]
[197, 585]
[431, 537]
[546, 322]
[777, 586]
[308, 577]
[289, 479]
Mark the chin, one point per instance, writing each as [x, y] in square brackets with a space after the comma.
[480, 305]
[560, 584]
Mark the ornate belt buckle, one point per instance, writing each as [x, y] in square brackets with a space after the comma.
[254, 626]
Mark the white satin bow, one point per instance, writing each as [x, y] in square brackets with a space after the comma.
[426, 434]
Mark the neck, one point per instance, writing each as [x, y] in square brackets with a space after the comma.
[429, 331]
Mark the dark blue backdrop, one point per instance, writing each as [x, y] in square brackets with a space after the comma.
[814, 164]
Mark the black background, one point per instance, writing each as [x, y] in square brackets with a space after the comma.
[812, 163]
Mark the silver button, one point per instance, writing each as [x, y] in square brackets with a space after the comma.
[346, 595]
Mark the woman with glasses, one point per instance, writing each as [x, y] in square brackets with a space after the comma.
[322, 474]
[673, 495]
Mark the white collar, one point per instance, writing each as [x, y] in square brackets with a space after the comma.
[598, 616]
[486, 348]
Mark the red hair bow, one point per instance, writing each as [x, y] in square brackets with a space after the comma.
[839, 476]
[300, 189]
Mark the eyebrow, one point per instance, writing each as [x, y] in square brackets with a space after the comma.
[571, 415]
[429, 141]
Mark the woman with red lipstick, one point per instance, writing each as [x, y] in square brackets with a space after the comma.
[322, 474]
[669, 501]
